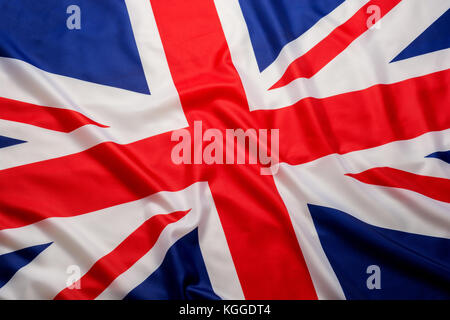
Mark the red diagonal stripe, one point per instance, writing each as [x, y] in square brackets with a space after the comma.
[329, 48]
[56, 119]
[109, 267]
[435, 188]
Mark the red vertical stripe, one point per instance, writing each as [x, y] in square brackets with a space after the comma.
[259, 233]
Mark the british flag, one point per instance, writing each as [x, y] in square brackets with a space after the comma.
[92, 206]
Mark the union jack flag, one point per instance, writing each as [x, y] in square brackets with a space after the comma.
[92, 206]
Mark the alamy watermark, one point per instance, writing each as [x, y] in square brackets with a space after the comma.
[229, 146]
[374, 280]
[374, 13]
[73, 280]
[73, 22]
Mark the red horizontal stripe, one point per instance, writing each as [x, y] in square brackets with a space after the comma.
[329, 48]
[56, 119]
[109, 267]
[105, 175]
[313, 128]
[433, 187]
